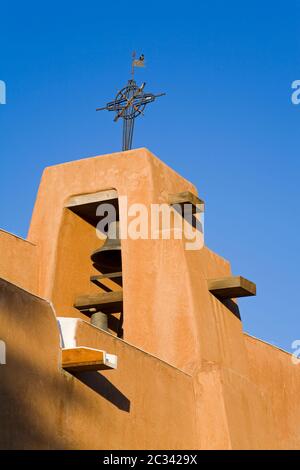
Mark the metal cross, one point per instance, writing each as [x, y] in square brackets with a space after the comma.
[129, 103]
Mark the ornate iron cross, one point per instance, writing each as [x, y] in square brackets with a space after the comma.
[130, 103]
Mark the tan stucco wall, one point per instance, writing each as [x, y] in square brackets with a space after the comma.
[19, 261]
[187, 376]
[145, 403]
[165, 287]
[278, 379]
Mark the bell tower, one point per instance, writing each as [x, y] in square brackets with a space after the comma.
[119, 339]
[153, 293]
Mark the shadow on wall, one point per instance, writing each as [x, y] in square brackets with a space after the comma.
[27, 423]
[37, 397]
[36, 424]
[105, 388]
[232, 306]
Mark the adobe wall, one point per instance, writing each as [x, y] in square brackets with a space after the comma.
[187, 376]
[168, 310]
[145, 403]
[19, 261]
[278, 378]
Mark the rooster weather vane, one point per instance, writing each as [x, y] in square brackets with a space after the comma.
[130, 103]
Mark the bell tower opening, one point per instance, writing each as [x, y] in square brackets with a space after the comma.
[89, 276]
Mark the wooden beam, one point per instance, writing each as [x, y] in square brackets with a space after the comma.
[86, 205]
[98, 279]
[106, 276]
[100, 196]
[86, 359]
[107, 302]
[187, 197]
[231, 287]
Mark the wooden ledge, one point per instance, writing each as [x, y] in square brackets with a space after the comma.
[83, 199]
[231, 287]
[186, 197]
[86, 359]
[107, 302]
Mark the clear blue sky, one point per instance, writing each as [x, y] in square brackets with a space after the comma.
[227, 122]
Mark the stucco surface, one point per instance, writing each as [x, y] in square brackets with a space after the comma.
[187, 376]
[278, 379]
[19, 261]
[165, 287]
[146, 404]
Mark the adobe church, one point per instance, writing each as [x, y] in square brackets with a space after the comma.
[130, 343]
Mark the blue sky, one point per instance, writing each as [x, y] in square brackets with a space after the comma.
[227, 122]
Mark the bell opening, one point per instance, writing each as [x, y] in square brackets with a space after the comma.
[107, 261]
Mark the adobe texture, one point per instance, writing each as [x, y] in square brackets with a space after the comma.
[187, 375]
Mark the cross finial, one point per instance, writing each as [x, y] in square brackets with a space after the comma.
[130, 102]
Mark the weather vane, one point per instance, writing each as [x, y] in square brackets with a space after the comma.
[130, 102]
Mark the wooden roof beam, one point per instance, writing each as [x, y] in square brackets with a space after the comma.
[231, 287]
